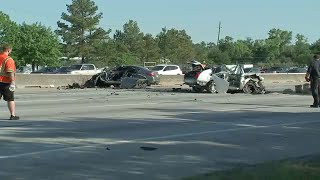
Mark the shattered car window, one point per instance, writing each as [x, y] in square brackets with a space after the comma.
[246, 70]
[238, 70]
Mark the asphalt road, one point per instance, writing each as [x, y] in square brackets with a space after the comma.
[107, 134]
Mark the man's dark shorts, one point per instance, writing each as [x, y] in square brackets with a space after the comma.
[5, 92]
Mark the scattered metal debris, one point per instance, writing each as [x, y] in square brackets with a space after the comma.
[176, 89]
[75, 86]
[148, 148]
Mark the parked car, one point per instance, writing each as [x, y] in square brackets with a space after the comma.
[298, 70]
[62, 70]
[24, 70]
[168, 70]
[277, 70]
[114, 77]
[83, 69]
[45, 70]
[252, 70]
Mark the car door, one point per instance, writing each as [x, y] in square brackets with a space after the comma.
[91, 69]
[235, 78]
[83, 69]
[173, 70]
[131, 71]
[166, 70]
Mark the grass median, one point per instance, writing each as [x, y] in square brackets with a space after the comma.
[307, 168]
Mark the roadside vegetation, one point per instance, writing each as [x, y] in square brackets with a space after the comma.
[78, 34]
[300, 169]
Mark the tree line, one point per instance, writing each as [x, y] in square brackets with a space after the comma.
[79, 35]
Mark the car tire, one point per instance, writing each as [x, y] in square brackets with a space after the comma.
[210, 87]
[250, 88]
[198, 89]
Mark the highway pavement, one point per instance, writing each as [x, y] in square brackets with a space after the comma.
[143, 134]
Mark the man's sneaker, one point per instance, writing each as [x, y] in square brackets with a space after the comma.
[14, 117]
[314, 106]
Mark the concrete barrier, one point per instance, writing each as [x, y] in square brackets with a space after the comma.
[37, 80]
[283, 78]
[46, 80]
[269, 79]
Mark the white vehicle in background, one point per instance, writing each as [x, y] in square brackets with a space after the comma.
[163, 69]
[24, 70]
[83, 69]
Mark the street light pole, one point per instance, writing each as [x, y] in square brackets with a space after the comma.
[219, 33]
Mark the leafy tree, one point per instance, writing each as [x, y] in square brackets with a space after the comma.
[79, 31]
[124, 59]
[175, 45]
[302, 51]
[131, 40]
[242, 52]
[216, 56]
[6, 27]
[150, 50]
[39, 45]
[9, 32]
[201, 51]
[276, 43]
[315, 47]
[260, 51]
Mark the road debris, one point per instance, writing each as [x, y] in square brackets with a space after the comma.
[148, 148]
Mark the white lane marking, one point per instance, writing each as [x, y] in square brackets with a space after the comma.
[292, 127]
[45, 100]
[248, 125]
[136, 123]
[90, 106]
[281, 148]
[273, 134]
[166, 120]
[153, 138]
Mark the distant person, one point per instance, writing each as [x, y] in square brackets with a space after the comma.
[313, 76]
[7, 79]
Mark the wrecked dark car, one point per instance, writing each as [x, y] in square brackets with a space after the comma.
[125, 77]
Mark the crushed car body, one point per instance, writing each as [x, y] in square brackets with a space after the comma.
[125, 77]
[221, 79]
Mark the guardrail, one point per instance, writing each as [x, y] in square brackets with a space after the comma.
[55, 80]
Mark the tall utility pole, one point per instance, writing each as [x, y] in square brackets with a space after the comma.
[219, 33]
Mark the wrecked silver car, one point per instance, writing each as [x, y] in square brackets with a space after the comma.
[221, 79]
[250, 83]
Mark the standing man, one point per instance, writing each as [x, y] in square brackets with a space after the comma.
[313, 76]
[7, 79]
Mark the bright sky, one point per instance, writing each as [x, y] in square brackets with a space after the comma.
[200, 18]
